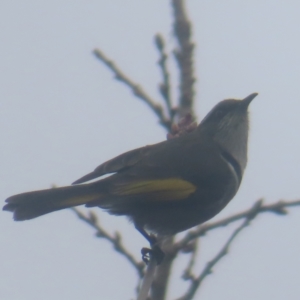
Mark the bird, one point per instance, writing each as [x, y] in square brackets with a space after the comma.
[164, 188]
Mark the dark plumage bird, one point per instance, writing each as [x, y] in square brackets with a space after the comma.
[163, 188]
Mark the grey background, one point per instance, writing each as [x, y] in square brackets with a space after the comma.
[62, 114]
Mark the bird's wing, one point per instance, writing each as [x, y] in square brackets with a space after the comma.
[167, 188]
[117, 164]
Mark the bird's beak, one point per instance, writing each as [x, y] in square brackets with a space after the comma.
[246, 101]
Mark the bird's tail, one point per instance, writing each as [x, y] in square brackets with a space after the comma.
[30, 205]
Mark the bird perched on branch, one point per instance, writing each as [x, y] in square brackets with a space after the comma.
[163, 188]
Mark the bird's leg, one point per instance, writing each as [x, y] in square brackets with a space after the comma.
[155, 250]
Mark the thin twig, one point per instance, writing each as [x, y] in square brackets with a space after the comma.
[165, 86]
[184, 57]
[196, 282]
[193, 247]
[136, 89]
[279, 208]
[115, 240]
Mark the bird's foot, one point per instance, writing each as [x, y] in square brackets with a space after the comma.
[154, 252]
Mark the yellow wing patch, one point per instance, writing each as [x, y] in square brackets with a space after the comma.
[161, 189]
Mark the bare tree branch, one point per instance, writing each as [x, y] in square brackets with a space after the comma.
[136, 89]
[184, 57]
[279, 208]
[115, 240]
[197, 281]
[192, 250]
[163, 271]
[165, 86]
[147, 280]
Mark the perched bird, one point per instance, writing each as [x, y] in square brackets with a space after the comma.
[163, 188]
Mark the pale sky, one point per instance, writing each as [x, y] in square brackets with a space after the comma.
[62, 114]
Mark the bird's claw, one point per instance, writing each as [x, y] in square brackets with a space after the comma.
[154, 252]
